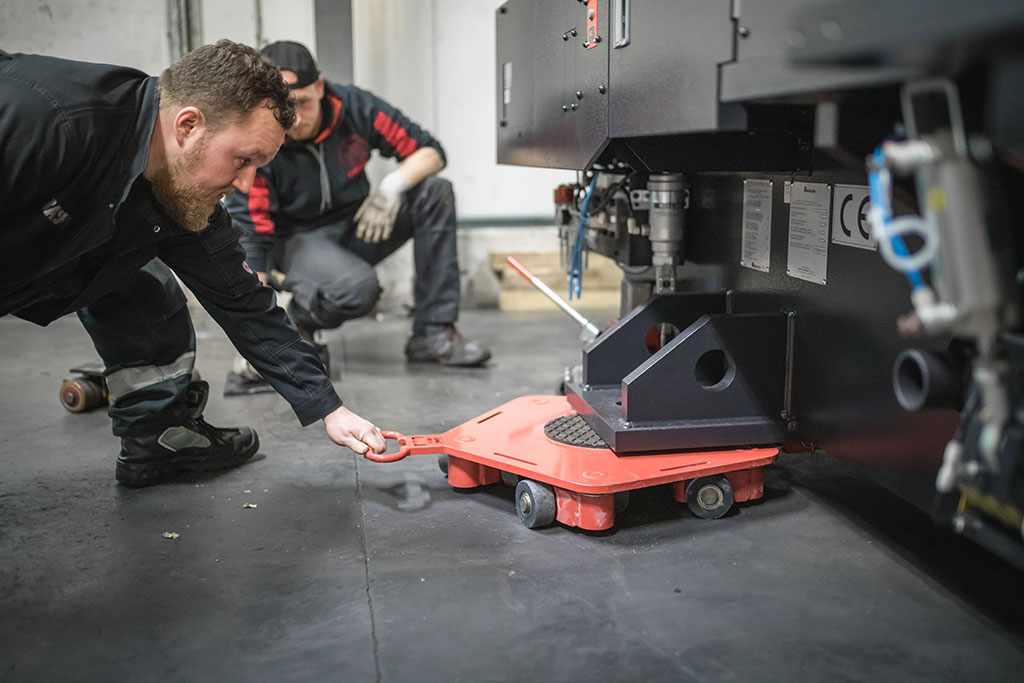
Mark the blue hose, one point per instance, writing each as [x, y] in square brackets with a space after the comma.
[881, 202]
[576, 265]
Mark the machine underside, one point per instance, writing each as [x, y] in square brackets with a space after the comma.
[815, 208]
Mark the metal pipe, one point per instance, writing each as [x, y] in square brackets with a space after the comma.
[923, 379]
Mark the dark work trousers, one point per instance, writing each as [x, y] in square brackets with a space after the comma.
[144, 335]
[330, 271]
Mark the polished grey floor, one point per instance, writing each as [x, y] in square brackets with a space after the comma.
[349, 570]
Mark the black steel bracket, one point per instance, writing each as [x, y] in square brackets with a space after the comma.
[720, 382]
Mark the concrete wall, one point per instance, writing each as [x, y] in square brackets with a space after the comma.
[334, 38]
[258, 22]
[134, 32]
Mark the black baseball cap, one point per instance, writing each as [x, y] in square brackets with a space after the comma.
[294, 57]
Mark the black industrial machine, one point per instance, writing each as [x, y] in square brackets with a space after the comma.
[817, 210]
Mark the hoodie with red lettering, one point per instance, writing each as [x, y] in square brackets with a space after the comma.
[315, 182]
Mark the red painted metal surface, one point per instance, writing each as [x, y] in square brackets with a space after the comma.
[586, 512]
[511, 438]
[592, 25]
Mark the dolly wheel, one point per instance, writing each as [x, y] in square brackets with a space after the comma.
[709, 497]
[535, 504]
[80, 394]
[442, 463]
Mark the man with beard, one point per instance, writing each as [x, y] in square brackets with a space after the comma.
[311, 215]
[109, 178]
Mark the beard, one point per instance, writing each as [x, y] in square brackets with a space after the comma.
[180, 196]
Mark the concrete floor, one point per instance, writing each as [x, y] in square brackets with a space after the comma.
[345, 572]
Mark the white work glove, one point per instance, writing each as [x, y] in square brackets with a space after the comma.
[376, 217]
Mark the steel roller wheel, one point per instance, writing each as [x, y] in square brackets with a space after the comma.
[80, 394]
[709, 497]
[535, 504]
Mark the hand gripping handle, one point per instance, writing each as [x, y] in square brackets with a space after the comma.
[390, 457]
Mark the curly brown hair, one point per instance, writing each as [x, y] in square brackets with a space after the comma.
[227, 81]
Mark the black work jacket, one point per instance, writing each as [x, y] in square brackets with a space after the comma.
[77, 219]
[311, 183]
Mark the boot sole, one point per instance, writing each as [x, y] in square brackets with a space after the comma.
[447, 363]
[138, 475]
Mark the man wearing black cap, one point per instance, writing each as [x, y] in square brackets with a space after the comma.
[311, 215]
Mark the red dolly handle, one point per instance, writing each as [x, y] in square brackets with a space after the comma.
[420, 443]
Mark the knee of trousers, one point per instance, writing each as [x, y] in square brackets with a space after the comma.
[440, 189]
[432, 209]
[349, 300]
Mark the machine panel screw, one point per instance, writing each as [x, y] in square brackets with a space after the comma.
[831, 30]
[743, 31]
[573, 33]
[579, 95]
[795, 39]
[601, 89]
[565, 108]
[572, 106]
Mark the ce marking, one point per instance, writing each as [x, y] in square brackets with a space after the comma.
[861, 216]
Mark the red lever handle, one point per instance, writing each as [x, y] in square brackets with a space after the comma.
[520, 268]
[390, 457]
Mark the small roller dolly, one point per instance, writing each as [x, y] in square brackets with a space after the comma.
[564, 472]
[86, 390]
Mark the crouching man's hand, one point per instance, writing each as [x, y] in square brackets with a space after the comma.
[376, 216]
[345, 428]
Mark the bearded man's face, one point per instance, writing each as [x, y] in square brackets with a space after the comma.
[216, 163]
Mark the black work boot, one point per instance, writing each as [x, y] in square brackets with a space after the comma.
[446, 347]
[192, 446]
